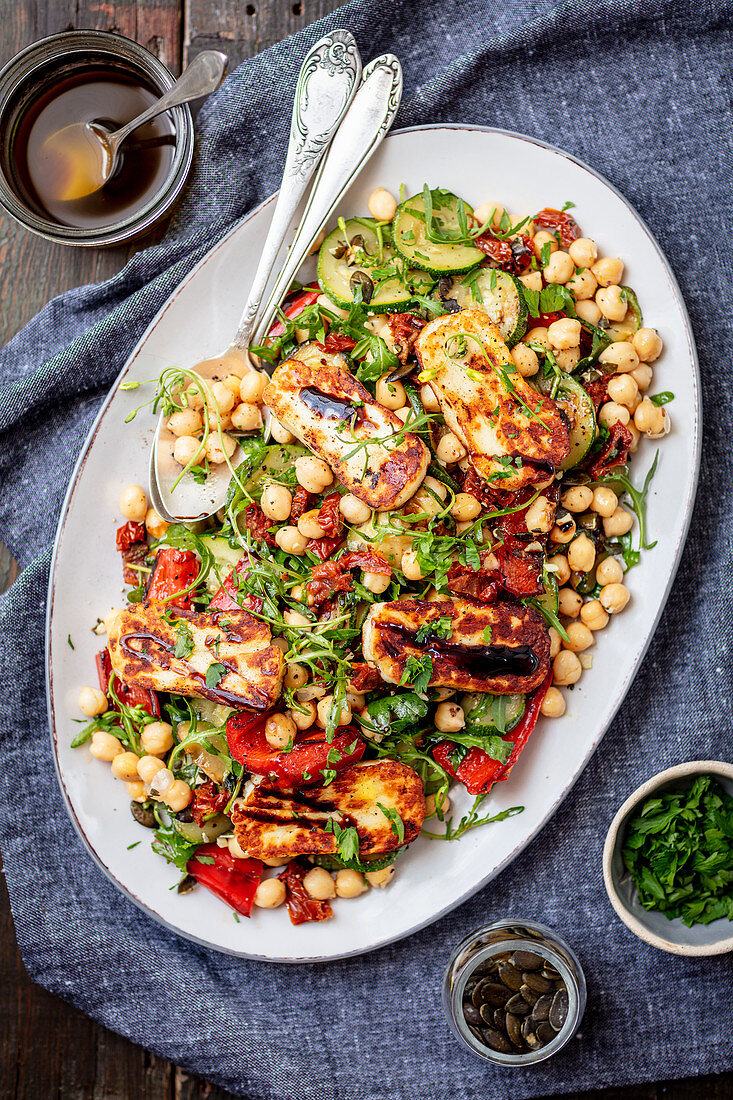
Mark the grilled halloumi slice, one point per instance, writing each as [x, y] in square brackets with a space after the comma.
[513, 435]
[514, 660]
[250, 668]
[316, 398]
[272, 825]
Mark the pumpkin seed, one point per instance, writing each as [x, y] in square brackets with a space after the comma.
[487, 1014]
[549, 972]
[497, 1041]
[471, 1013]
[500, 1019]
[541, 1010]
[526, 960]
[559, 1009]
[529, 994]
[537, 983]
[510, 976]
[491, 993]
[518, 1006]
[545, 1032]
[476, 1032]
[143, 814]
[528, 1033]
[488, 966]
[186, 885]
[514, 1030]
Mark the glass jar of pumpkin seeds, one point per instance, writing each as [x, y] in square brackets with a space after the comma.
[514, 992]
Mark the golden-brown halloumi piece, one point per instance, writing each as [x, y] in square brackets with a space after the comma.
[142, 649]
[514, 660]
[272, 825]
[317, 399]
[514, 436]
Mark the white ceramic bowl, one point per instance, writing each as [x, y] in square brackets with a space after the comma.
[715, 938]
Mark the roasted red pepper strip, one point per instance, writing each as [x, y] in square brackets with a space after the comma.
[128, 534]
[173, 570]
[306, 762]
[129, 694]
[301, 301]
[229, 597]
[558, 220]
[478, 771]
[301, 906]
[235, 881]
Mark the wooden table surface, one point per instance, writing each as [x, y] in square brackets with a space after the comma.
[49, 1050]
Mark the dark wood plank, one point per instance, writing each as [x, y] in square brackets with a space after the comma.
[243, 28]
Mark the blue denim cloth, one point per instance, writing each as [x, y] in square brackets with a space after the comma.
[641, 90]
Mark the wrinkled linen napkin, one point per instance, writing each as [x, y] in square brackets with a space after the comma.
[640, 89]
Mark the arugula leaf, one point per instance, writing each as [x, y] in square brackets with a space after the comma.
[396, 712]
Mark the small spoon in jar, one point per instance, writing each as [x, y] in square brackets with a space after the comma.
[83, 156]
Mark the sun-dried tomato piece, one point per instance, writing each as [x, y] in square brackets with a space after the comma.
[615, 451]
[513, 256]
[301, 906]
[258, 525]
[301, 504]
[173, 571]
[129, 534]
[329, 516]
[208, 799]
[371, 561]
[132, 543]
[597, 391]
[326, 580]
[364, 678]
[338, 341]
[558, 220]
[323, 548]
[405, 329]
[481, 584]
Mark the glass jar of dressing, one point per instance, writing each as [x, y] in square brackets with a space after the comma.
[78, 77]
[514, 993]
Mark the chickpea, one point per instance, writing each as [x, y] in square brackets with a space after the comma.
[429, 400]
[252, 386]
[449, 718]
[232, 382]
[246, 417]
[134, 503]
[583, 286]
[219, 450]
[525, 360]
[642, 375]
[568, 359]
[582, 554]
[382, 205]
[294, 618]
[532, 280]
[155, 525]
[186, 449]
[354, 510]
[562, 569]
[555, 642]
[566, 668]
[356, 700]
[635, 435]
[609, 571]
[608, 271]
[583, 252]
[319, 884]
[553, 705]
[105, 746]
[581, 637]
[148, 766]
[157, 738]
[614, 598]
[611, 413]
[349, 883]
[622, 389]
[376, 582]
[296, 676]
[564, 333]
[410, 566]
[324, 707]
[431, 805]
[650, 418]
[136, 791]
[124, 766]
[569, 602]
[489, 209]
[291, 541]
[543, 238]
[537, 335]
[309, 526]
[279, 432]
[605, 501]
[276, 502]
[380, 878]
[390, 394]
[279, 731]
[313, 473]
[92, 701]
[612, 302]
[178, 796]
[465, 507]
[185, 422]
[593, 615]
[577, 498]
[559, 269]
[217, 420]
[270, 893]
[647, 344]
[588, 311]
[564, 529]
[304, 715]
[619, 523]
[450, 449]
[223, 397]
[620, 355]
[540, 516]
[194, 397]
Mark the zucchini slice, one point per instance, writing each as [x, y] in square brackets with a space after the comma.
[411, 239]
[484, 717]
[575, 402]
[357, 253]
[500, 294]
[632, 322]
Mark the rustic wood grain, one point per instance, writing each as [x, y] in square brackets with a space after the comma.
[242, 29]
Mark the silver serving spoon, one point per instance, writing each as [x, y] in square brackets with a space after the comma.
[83, 155]
[364, 126]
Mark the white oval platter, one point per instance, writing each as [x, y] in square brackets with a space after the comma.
[196, 323]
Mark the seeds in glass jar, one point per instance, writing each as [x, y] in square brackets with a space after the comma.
[471, 1013]
[486, 1013]
[537, 983]
[528, 1033]
[550, 973]
[559, 1009]
[510, 976]
[500, 1019]
[529, 994]
[514, 1030]
[497, 1041]
[545, 1032]
[491, 993]
[541, 1010]
[526, 960]
[518, 1006]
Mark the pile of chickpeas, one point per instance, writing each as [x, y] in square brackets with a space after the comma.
[235, 402]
